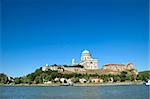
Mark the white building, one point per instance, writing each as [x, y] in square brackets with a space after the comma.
[87, 61]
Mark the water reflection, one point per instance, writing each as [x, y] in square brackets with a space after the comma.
[90, 93]
[101, 92]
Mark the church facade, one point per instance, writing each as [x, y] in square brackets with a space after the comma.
[87, 61]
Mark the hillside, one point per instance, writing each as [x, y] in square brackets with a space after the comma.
[144, 75]
[39, 76]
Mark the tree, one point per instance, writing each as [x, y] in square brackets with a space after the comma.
[38, 71]
[105, 78]
[145, 75]
[126, 75]
[75, 80]
[123, 75]
[38, 80]
[31, 76]
[3, 78]
[116, 78]
[17, 80]
[48, 78]
[55, 65]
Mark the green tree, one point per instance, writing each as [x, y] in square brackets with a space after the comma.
[123, 75]
[3, 78]
[38, 80]
[105, 77]
[38, 71]
[145, 75]
[116, 78]
[31, 76]
[126, 75]
[17, 80]
[48, 78]
[75, 80]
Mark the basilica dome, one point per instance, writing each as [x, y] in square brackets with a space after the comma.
[85, 52]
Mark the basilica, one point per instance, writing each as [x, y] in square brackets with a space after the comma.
[88, 64]
[87, 61]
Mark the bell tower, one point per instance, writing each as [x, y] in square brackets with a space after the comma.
[73, 62]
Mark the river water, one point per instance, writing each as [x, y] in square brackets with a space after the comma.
[71, 92]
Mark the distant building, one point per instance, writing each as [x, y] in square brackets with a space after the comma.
[87, 61]
[94, 80]
[62, 68]
[53, 68]
[45, 67]
[82, 80]
[118, 67]
[57, 68]
[90, 65]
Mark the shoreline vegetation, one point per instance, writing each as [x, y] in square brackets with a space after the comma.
[55, 78]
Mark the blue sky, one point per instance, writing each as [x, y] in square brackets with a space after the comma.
[38, 32]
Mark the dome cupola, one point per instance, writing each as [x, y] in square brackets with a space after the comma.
[85, 52]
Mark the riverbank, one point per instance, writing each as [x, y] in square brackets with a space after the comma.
[80, 84]
[108, 84]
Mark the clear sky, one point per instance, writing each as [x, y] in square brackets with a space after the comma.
[38, 32]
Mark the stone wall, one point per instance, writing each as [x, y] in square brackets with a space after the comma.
[118, 67]
[74, 69]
